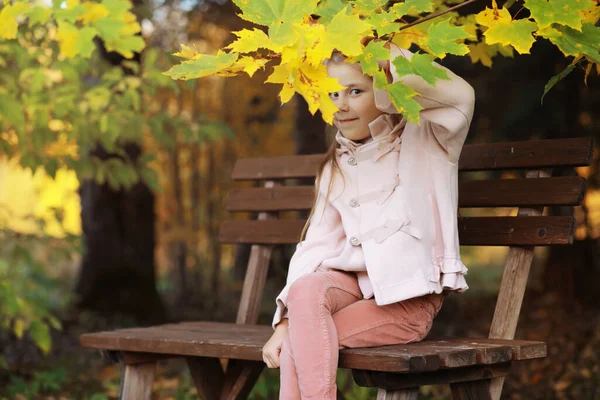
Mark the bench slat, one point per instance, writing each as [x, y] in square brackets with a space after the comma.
[494, 193]
[473, 231]
[235, 341]
[532, 154]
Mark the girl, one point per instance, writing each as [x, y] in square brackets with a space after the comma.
[381, 248]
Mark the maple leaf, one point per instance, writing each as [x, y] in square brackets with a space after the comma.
[279, 16]
[420, 64]
[564, 12]
[517, 33]
[187, 53]
[374, 51]
[402, 98]
[368, 7]
[251, 40]
[442, 39]
[327, 9]
[74, 41]
[384, 23]
[246, 64]
[493, 16]
[412, 7]
[8, 19]
[93, 12]
[573, 43]
[345, 32]
[202, 65]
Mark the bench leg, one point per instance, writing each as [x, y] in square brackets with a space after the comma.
[473, 390]
[137, 381]
[207, 374]
[402, 394]
[240, 377]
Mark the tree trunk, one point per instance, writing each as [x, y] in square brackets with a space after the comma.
[117, 269]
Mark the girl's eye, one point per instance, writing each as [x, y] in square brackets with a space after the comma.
[336, 94]
[358, 90]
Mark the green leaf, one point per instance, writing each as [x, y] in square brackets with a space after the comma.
[573, 43]
[126, 45]
[516, 33]
[98, 98]
[402, 97]
[563, 12]
[327, 9]
[420, 64]
[442, 39]
[368, 7]
[10, 109]
[39, 15]
[412, 7]
[275, 12]
[384, 23]
[41, 335]
[19, 328]
[554, 80]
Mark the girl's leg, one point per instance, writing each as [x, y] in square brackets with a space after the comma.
[364, 323]
[289, 388]
[311, 301]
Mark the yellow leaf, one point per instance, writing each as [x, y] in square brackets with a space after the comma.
[19, 328]
[93, 12]
[492, 16]
[252, 40]
[187, 52]
[56, 125]
[247, 64]
[481, 52]
[406, 37]
[8, 19]
[517, 34]
[66, 34]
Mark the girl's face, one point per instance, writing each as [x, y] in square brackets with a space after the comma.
[356, 102]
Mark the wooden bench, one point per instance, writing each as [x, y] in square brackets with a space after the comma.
[474, 367]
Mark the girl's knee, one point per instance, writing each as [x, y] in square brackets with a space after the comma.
[308, 286]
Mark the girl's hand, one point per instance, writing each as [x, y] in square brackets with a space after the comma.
[272, 348]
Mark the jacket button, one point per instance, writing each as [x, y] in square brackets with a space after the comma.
[352, 161]
[354, 241]
[353, 203]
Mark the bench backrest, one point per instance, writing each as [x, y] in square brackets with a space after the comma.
[529, 228]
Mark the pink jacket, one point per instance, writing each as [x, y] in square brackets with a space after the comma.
[397, 199]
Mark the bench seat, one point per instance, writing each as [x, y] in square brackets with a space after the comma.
[244, 342]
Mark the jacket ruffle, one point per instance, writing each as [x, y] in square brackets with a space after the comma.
[449, 274]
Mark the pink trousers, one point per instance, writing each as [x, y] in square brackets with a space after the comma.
[327, 312]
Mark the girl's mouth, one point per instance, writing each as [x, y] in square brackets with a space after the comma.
[345, 121]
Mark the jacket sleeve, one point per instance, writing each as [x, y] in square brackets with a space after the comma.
[324, 239]
[447, 107]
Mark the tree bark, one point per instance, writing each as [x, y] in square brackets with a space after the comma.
[117, 269]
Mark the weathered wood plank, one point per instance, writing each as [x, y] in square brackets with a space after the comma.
[402, 394]
[396, 381]
[567, 190]
[513, 285]
[137, 381]
[529, 154]
[474, 390]
[473, 231]
[256, 274]
[240, 377]
[207, 374]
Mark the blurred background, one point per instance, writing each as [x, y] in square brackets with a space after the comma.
[79, 256]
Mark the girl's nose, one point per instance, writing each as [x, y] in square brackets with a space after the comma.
[342, 104]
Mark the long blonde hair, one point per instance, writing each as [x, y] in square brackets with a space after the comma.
[330, 157]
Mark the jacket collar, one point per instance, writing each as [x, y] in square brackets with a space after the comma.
[380, 128]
